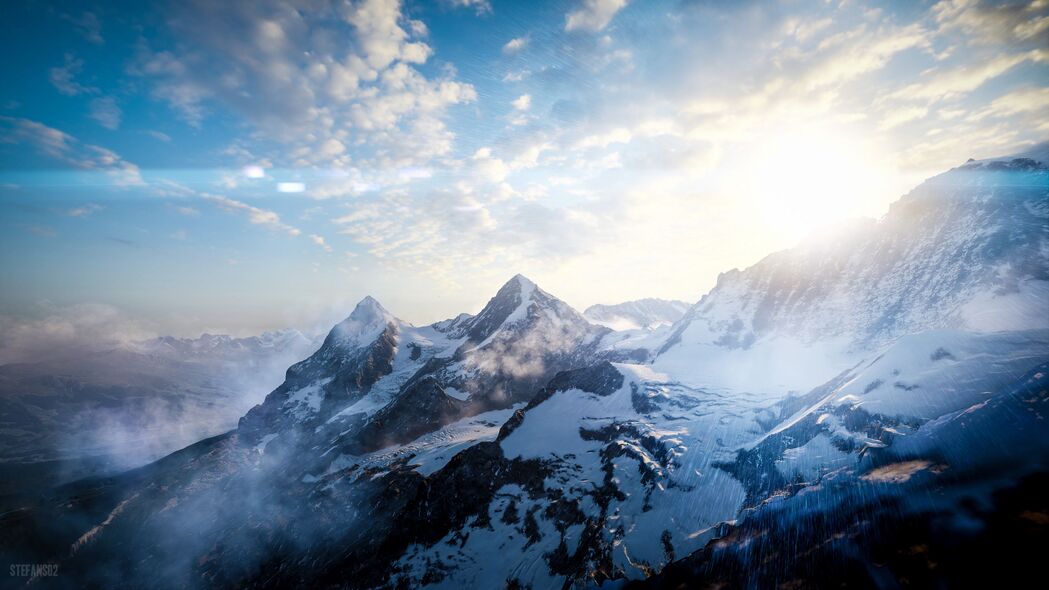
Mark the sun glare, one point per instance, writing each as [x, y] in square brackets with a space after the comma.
[806, 180]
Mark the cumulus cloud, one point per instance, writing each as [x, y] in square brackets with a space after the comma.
[488, 167]
[593, 15]
[523, 102]
[317, 78]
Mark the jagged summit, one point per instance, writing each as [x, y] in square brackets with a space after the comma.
[518, 302]
[522, 281]
[527, 447]
[518, 286]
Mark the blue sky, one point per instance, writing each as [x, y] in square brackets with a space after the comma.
[188, 166]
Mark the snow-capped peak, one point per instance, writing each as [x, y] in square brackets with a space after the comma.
[523, 282]
[509, 307]
[368, 319]
[369, 308]
[526, 291]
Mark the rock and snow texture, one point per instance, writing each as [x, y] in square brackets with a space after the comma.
[647, 314]
[521, 339]
[966, 250]
[378, 381]
[525, 446]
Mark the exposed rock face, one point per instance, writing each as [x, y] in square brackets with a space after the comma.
[356, 354]
[423, 378]
[506, 450]
[423, 407]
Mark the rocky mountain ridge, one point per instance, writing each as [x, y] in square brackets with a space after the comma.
[826, 387]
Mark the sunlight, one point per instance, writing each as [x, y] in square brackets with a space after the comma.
[806, 179]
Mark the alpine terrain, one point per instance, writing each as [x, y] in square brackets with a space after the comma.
[870, 407]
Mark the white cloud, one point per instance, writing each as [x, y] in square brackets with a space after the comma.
[523, 102]
[593, 15]
[319, 240]
[515, 45]
[489, 168]
[312, 77]
[330, 148]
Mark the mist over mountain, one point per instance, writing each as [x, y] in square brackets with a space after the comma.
[82, 409]
[632, 315]
[832, 406]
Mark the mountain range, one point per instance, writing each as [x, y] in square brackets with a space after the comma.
[649, 314]
[868, 407]
[78, 411]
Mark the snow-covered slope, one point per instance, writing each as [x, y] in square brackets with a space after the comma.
[826, 387]
[378, 380]
[640, 314]
[967, 250]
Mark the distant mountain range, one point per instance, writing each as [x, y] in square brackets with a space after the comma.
[868, 406]
[83, 411]
[647, 314]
